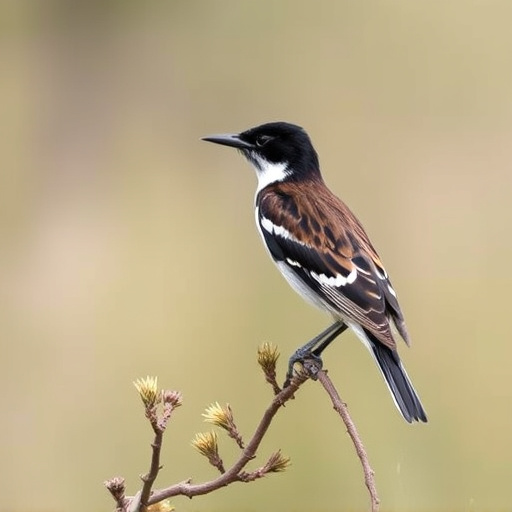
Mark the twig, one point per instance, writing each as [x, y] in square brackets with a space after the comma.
[342, 410]
[117, 488]
[154, 468]
[233, 473]
[158, 407]
[267, 359]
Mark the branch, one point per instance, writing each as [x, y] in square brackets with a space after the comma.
[150, 477]
[341, 408]
[159, 406]
[232, 474]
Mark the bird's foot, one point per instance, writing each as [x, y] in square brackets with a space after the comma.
[311, 364]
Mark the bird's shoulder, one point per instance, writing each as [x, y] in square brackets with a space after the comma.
[313, 215]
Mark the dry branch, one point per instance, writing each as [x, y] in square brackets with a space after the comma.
[341, 408]
[158, 411]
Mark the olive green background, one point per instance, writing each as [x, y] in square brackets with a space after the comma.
[128, 247]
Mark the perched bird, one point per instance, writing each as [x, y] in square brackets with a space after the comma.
[323, 251]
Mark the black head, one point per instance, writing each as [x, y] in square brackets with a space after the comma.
[275, 144]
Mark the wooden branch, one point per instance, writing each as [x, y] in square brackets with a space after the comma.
[169, 400]
[150, 477]
[341, 408]
[233, 473]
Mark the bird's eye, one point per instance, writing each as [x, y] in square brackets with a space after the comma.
[261, 140]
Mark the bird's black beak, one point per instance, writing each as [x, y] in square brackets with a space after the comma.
[229, 139]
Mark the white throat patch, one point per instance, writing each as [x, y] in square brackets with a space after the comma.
[268, 172]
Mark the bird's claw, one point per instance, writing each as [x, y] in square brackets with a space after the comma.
[311, 364]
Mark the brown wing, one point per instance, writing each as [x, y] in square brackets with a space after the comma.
[320, 239]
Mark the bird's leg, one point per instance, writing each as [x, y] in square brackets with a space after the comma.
[308, 351]
[341, 328]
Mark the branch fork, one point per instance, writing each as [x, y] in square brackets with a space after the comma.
[159, 406]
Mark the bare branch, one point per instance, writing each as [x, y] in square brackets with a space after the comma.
[154, 468]
[342, 410]
[233, 473]
[158, 408]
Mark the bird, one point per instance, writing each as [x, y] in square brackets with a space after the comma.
[323, 252]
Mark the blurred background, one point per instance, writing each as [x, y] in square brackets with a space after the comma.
[128, 247]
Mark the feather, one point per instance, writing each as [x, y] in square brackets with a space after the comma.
[330, 253]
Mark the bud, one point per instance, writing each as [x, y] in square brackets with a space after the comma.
[220, 416]
[277, 463]
[161, 506]
[172, 398]
[206, 444]
[223, 418]
[148, 391]
[267, 357]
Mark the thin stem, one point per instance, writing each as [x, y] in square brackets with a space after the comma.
[342, 410]
[154, 468]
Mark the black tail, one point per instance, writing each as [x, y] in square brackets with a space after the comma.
[398, 382]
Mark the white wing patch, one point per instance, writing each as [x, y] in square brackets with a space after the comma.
[293, 263]
[337, 280]
[383, 276]
[273, 229]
